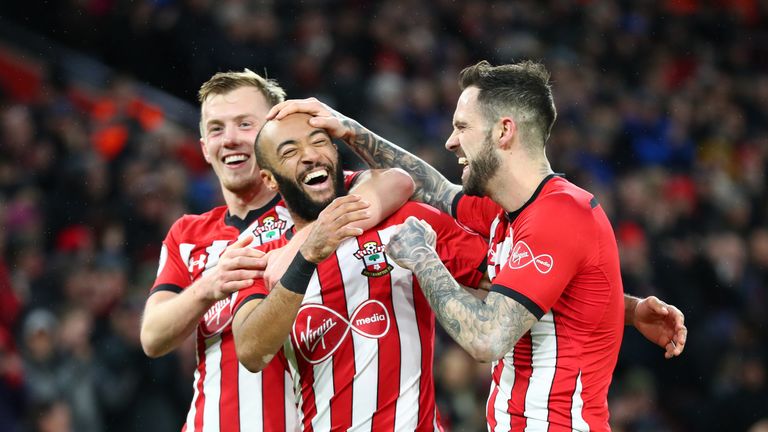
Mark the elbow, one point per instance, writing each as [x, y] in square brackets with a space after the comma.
[252, 361]
[402, 181]
[151, 348]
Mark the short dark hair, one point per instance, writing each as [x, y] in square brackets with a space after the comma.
[521, 89]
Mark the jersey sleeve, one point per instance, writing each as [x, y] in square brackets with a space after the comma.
[172, 272]
[550, 245]
[256, 291]
[462, 251]
[350, 177]
[475, 213]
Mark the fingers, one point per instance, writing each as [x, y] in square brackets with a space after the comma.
[242, 241]
[310, 106]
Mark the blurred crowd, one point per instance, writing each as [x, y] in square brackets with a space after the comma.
[662, 113]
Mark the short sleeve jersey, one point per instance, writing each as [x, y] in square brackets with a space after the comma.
[557, 256]
[227, 397]
[362, 345]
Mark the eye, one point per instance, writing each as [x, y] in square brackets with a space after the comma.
[246, 124]
[214, 130]
[320, 142]
[288, 153]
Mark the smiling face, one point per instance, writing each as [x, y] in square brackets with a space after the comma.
[471, 140]
[230, 123]
[302, 163]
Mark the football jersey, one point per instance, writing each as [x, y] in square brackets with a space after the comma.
[362, 345]
[557, 256]
[227, 397]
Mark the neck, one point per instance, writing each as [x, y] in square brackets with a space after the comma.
[516, 181]
[239, 204]
[298, 223]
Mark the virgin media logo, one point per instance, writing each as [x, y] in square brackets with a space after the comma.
[319, 330]
[522, 256]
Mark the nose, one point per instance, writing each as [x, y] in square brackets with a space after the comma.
[452, 143]
[230, 135]
[309, 155]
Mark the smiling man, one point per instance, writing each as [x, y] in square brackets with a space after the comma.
[206, 259]
[361, 333]
[552, 323]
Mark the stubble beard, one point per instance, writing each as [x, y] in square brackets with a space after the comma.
[481, 169]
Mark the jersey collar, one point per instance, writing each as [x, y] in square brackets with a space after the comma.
[242, 224]
[511, 216]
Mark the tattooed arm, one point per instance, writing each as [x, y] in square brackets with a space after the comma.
[431, 187]
[488, 329]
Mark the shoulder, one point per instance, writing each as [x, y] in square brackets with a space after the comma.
[192, 224]
[564, 196]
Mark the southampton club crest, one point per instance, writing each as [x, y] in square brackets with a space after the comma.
[374, 259]
[270, 229]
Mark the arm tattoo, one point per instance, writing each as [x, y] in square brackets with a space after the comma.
[485, 329]
[431, 187]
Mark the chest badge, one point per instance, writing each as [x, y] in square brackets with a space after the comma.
[376, 264]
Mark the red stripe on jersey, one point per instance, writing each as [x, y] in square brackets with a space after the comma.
[389, 355]
[200, 402]
[229, 402]
[273, 391]
[308, 403]
[523, 370]
[329, 275]
[490, 409]
[426, 322]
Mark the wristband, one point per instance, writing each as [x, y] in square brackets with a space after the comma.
[298, 274]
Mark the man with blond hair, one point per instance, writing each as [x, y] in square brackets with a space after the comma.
[207, 259]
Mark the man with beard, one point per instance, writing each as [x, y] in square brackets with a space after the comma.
[361, 333]
[206, 259]
[552, 323]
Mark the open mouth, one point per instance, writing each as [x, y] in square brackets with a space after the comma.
[316, 177]
[463, 161]
[234, 159]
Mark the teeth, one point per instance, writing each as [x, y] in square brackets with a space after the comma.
[463, 161]
[315, 174]
[235, 158]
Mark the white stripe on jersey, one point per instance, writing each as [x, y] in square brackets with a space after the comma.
[506, 381]
[356, 291]
[185, 250]
[250, 396]
[577, 420]
[323, 390]
[543, 363]
[193, 407]
[212, 386]
[291, 420]
[406, 417]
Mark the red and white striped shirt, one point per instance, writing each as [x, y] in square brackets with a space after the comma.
[227, 397]
[362, 345]
[557, 256]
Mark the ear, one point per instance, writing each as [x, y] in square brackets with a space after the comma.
[269, 180]
[204, 149]
[507, 129]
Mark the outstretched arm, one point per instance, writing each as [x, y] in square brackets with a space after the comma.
[431, 187]
[485, 329]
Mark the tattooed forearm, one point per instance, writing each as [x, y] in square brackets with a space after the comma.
[485, 329]
[431, 187]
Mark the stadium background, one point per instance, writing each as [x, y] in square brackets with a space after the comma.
[663, 114]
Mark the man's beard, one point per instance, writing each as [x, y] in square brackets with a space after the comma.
[300, 203]
[482, 169]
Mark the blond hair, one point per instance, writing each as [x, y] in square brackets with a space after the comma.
[225, 82]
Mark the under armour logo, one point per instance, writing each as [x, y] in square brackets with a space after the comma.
[199, 263]
[522, 256]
